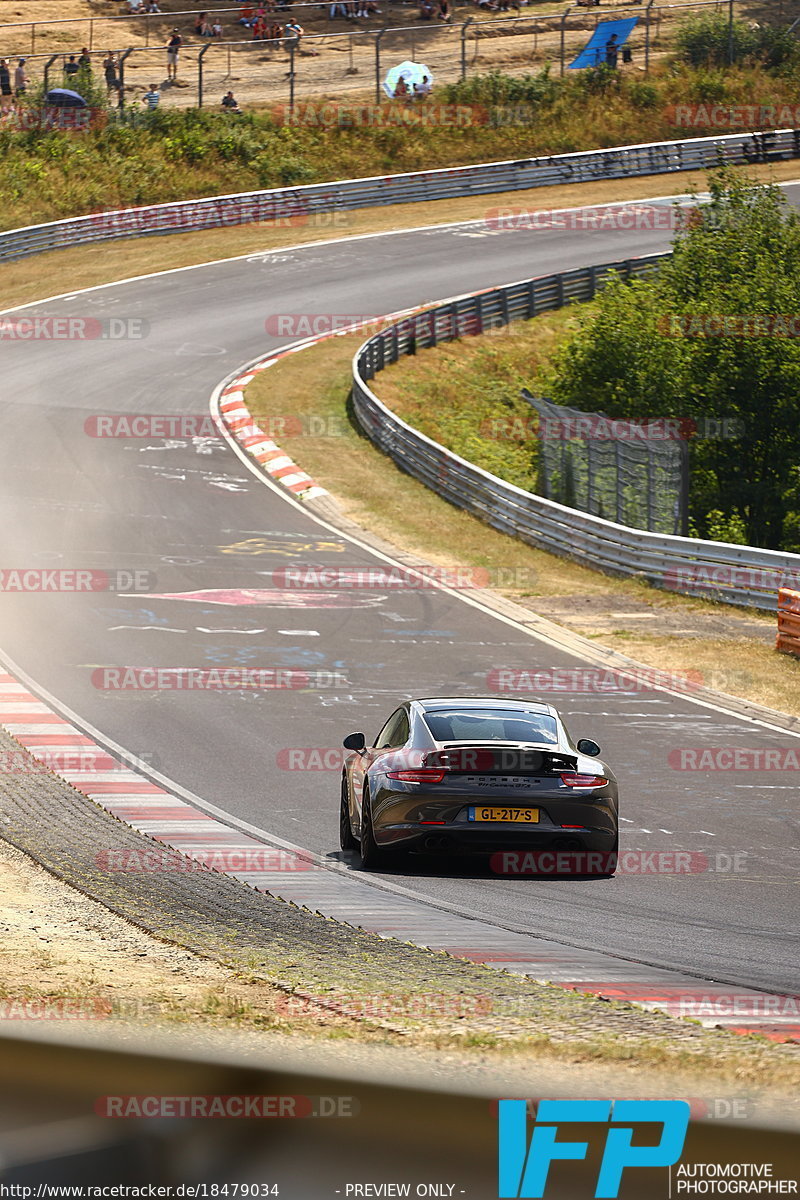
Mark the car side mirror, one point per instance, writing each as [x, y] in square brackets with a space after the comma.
[587, 746]
[357, 741]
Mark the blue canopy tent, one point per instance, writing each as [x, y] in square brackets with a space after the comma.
[594, 52]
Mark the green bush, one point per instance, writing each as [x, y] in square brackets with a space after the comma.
[705, 41]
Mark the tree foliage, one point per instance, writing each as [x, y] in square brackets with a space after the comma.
[683, 344]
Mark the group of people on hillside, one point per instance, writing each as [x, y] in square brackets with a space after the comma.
[13, 84]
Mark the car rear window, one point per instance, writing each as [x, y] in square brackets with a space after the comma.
[499, 725]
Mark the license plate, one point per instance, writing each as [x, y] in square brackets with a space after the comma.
[517, 816]
[507, 782]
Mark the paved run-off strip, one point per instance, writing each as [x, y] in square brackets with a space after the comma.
[147, 879]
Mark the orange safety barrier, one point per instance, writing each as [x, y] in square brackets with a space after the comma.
[788, 640]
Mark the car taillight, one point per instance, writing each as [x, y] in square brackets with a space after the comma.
[571, 779]
[420, 775]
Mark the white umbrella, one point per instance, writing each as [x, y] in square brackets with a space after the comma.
[411, 72]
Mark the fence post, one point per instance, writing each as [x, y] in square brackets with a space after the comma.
[122, 58]
[378, 37]
[565, 14]
[200, 66]
[33, 37]
[647, 37]
[684, 461]
[47, 67]
[292, 46]
[91, 35]
[468, 21]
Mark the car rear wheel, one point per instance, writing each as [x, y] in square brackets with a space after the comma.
[613, 854]
[373, 856]
[346, 839]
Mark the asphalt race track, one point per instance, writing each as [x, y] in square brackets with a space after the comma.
[192, 513]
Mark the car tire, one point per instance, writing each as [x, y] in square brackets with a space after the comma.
[373, 856]
[346, 839]
[610, 873]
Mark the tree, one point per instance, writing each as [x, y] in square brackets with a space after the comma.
[713, 338]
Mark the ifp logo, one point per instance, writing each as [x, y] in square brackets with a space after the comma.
[523, 1169]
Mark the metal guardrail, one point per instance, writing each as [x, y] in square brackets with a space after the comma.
[282, 205]
[741, 575]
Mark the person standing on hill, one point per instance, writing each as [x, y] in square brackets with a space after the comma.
[173, 50]
[20, 79]
[110, 72]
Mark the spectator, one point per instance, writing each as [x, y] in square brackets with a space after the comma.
[259, 28]
[71, 68]
[230, 103]
[425, 10]
[444, 13]
[20, 79]
[337, 9]
[173, 50]
[247, 16]
[85, 60]
[6, 94]
[422, 89]
[152, 97]
[293, 31]
[400, 89]
[110, 72]
[202, 25]
[612, 49]
[216, 29]
[152, 7]
[135, 6]
[367, 8]
[275, 33]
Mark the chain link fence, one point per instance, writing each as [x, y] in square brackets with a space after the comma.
[632, 472]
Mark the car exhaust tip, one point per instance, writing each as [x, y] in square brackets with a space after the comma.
[567, 843]
[436, 842]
